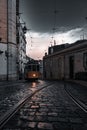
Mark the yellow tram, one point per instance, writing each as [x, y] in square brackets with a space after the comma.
[32, 71]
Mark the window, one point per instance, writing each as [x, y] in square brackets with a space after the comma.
[51, 50]
[34, 67]
[37, 67]
[30, 68]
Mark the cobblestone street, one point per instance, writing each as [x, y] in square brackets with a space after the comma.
[12, 92]
[43, 64]
[49, 109]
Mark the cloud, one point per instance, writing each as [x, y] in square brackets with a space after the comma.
[39, 43]
[67, 25]
[40, 16]
[69, 36]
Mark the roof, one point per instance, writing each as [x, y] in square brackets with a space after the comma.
[77, 46]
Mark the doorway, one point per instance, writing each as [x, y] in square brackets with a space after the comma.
[71, 67]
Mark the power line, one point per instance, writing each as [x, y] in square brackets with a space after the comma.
[54, 24]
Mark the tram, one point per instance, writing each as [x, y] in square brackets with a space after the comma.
[32, 71]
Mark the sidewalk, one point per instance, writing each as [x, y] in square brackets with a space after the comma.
[81, 82]
[78, 89]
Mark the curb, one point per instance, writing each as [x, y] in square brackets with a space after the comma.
[81, 82]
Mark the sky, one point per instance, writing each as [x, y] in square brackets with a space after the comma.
[64, 21]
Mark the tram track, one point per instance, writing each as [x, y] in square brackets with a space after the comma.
[18, 106]
[77, 101]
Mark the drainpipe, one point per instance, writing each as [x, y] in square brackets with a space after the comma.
[7, 46]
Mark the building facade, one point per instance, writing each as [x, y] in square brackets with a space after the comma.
[41, 68]
[69, 63]
[21, 51]
[12, 41]
[8, 69]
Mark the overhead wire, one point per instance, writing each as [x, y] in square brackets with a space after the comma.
[54, 24]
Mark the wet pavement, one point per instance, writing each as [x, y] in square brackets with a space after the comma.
[49, 109]
[78, 91]
[12, 92]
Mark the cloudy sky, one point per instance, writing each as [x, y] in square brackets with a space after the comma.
[47, 20]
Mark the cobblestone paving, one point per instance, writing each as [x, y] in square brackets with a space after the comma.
[12, 92]
[78, 91]
[49, 109]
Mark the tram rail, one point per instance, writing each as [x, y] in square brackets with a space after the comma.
[18, 106]
[77, 101]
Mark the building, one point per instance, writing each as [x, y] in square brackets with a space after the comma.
[41, 68]
[68, 63]
[8, 69]
[12, 41]
[21, 49]
[56, 48]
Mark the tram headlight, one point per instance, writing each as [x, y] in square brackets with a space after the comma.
[34, 75]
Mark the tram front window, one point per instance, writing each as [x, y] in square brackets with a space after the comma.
[30, 68]
[34, 67]
[37, 67]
